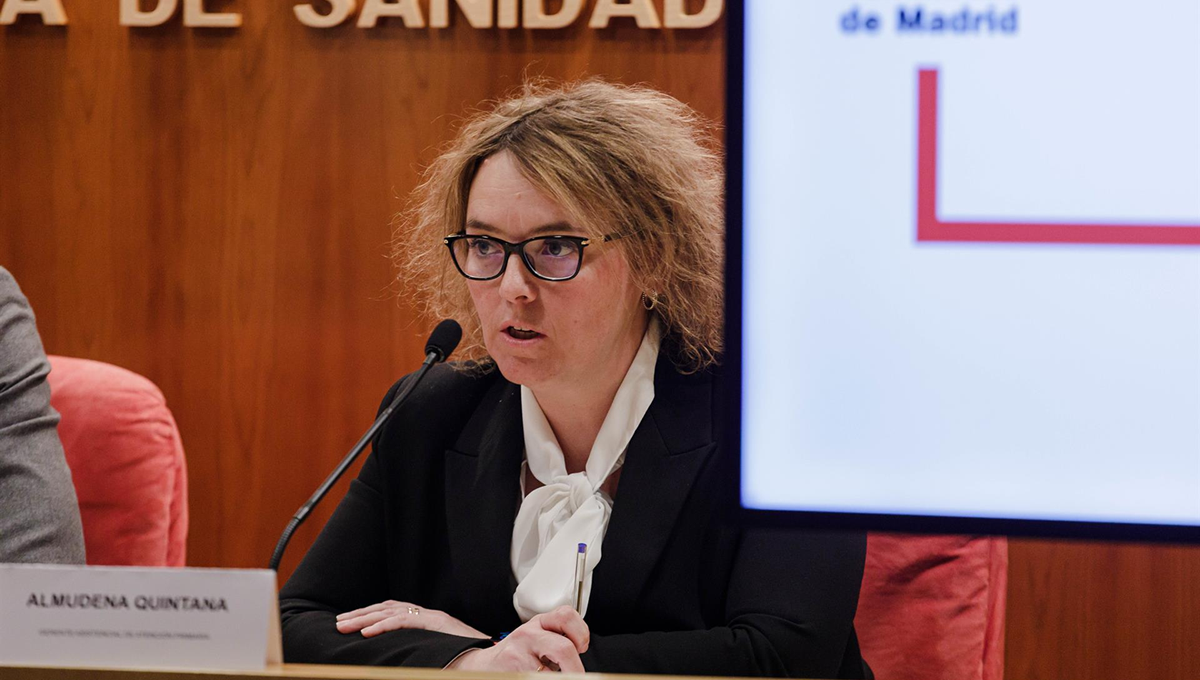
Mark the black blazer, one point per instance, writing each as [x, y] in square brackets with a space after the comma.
[679, 588]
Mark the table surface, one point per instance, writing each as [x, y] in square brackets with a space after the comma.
[284, 671]
[287, 670]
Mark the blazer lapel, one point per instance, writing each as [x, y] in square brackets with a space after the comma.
[667, 452]
[482, 496]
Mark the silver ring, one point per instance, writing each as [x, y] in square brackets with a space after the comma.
[416, 611]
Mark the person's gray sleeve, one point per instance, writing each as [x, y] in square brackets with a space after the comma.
[39, 513]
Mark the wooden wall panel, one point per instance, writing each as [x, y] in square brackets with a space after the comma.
[1102, 610]
[211, 208]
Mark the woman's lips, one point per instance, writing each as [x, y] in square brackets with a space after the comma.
[518, 333]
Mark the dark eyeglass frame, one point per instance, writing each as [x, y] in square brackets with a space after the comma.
[519, 249]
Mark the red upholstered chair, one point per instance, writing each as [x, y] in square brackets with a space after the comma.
[932, 607]
[126, 460]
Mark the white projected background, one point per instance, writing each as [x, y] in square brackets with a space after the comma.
[973, 372]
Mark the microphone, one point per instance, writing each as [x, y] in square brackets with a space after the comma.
[441, 343]
[443, 340]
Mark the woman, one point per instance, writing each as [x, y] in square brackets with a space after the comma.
[576, 234]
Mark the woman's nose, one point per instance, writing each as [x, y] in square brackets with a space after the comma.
[516, 283]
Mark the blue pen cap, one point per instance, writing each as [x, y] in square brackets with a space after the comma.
[583, 547]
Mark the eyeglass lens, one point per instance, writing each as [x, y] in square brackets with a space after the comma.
[551, 257]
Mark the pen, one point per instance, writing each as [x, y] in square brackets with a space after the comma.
[580, 563]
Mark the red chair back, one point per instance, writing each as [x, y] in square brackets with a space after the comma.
[933, 607]
[126, 460]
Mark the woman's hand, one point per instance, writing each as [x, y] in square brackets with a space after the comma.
[555, 638]
[392, 615]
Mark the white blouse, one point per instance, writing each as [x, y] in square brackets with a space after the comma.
[570, 509]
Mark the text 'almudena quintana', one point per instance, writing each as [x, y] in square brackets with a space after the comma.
[182, 603]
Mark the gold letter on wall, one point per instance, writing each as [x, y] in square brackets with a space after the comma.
[642, 10]
[132, 14]
[194, 15]
[674, 15]
[536, 17]
[479, 13]
[341, 10]
[506, 13]
[51, 11]
[408, 11]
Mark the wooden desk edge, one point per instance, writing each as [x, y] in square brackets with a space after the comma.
[289, 671]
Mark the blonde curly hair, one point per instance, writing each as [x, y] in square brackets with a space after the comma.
[618, 159]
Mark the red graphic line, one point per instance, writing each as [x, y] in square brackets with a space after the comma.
[931, 228]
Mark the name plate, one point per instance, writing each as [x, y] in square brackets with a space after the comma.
[138, 617]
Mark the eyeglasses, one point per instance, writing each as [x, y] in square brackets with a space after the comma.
[550, 258]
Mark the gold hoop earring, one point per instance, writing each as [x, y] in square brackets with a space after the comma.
[650, 301]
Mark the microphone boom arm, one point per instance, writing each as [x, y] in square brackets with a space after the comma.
[302, 514]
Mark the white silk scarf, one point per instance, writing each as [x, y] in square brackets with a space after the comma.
[569, 509]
